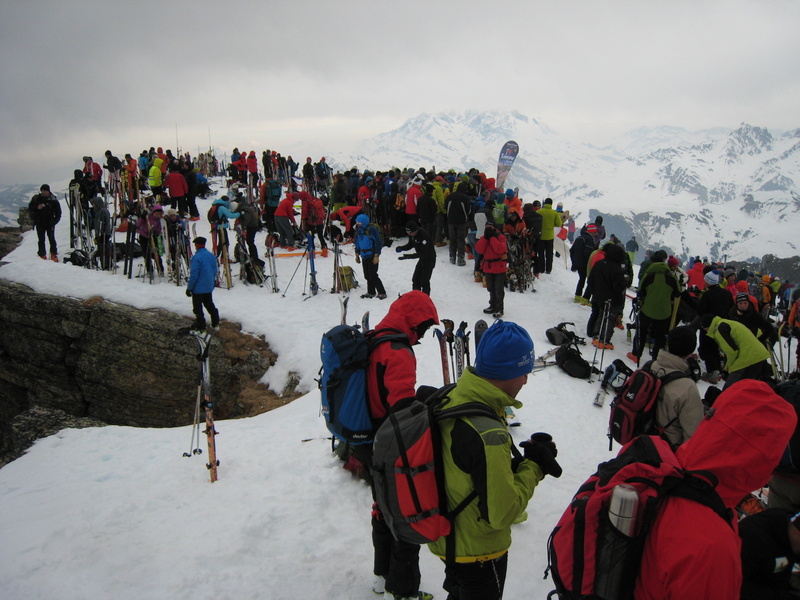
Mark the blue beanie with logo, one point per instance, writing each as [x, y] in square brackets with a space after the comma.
[505, 352]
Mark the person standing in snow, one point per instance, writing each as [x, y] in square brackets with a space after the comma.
[202, 280]
[477, 459]
[632, 247]
[550, 220]
[368, 245]
[493, 249]
[45, 211]
[391, 382]
[424, 250]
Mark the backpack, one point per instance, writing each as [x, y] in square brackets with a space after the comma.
[633, 410]
[560, 335]
[533, 220]
[214, 218]
[274, 193]
[378, 235]
[345, 351]
[408, 473]
[569, 358]
[596, 548]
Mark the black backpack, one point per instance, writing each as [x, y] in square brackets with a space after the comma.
[569, 358]
[560, 335]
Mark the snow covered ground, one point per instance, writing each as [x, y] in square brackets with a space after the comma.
[117, 512]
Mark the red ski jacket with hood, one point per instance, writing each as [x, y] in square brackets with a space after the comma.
[392, 372]
[691, 553]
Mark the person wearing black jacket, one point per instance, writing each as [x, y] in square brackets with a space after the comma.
[579, 253]
[426, 210]
[424, 250]
[744, 312]
[458, 206]
[770, 549]
[608, 283]
[45, 211]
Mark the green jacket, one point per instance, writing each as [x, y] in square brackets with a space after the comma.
[550, 220]
[742, 349]
[438, 197]
[656, 291]
[476, 454]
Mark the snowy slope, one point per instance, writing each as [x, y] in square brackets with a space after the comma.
[116, 512]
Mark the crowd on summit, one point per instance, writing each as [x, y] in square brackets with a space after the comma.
[732, 318]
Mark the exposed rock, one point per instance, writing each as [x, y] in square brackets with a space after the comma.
[118, 364]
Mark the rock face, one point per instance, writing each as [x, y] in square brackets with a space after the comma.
[118, 365]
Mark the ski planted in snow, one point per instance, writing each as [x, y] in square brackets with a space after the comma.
[204, 340]
[443, 352]
[313, 287]
[480, 328]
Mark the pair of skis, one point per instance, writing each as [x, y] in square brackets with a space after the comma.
[204, 400]
[454, 348]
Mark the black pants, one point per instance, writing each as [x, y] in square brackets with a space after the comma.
[476, 580]
[50, 233]
[200, 301]
[374, 283]
[421, 280]
[547, 246]
[396, 561]
[758, 371]
[657, 328]
[495, 283]
[709, 353]
[250, 238]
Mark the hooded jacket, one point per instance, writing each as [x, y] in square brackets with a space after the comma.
[476, 453]
[679, 407]
[392, 371]
[691, 552]
[742, 348]
[156, 175]
[656, 291]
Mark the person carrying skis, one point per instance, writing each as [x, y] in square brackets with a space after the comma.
[368, 245]
[477, 458]
[391, 382]
[424, 250]
[202, 280]
[692, 552]
[45, 211]
[493, 248]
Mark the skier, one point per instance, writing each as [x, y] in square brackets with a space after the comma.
[458, 205]
[391, 381]
[368, 245]
[101, 218]
[424, 250]
[477, 458]
[550, 220]
[285, 221]
[632, 247]
[45, 211]
[202, 280]
[579, 254]
[493, 248]
[745, 356]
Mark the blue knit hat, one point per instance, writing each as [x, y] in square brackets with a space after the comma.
[505, 352]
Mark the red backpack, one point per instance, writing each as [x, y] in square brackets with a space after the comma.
[596, 548]
[633, 410]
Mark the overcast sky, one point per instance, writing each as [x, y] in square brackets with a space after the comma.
[80, 77]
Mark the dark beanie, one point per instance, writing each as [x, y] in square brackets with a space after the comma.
[682, 341]
[705, 321]
[44, 187]
[505, 352]
[411, 227]
[199, 241]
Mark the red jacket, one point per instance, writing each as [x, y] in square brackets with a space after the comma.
[691, 553]
[696, 276]
[346, 214]
[494, 252]
[176, 185]
[392, 371]
[412, 195]
[286, 208]
[241, 164]
[252, 162]
[313, 212]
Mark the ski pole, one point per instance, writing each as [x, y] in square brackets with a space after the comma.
[603, 332]
[293, 274]
[194, 446]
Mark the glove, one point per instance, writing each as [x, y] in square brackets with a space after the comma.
[398, 249]
[358, 258]
[376, 259]
[404, 257]
[542, 450]
[489, 233]
[188, 293]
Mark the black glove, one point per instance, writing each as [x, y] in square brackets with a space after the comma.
[188, 293]
[542, 450]
[404, 257]
[489, 232]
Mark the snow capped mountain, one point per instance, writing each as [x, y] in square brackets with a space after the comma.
[716, 192]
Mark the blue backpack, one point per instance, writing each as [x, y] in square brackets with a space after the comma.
[345, 352]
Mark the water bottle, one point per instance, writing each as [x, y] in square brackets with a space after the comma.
[623, 507]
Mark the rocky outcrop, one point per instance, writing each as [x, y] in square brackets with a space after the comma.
[119, 365]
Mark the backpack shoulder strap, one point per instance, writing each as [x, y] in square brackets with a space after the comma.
[701, 491]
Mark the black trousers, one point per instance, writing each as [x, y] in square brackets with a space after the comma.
[374, 283]
[476, 580]
[421, 280]
[200, 301]
[495, 283]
